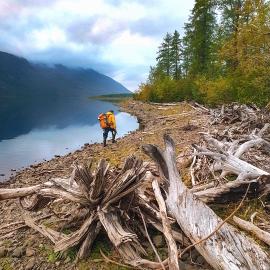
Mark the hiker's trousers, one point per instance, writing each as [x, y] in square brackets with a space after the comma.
[106, 132]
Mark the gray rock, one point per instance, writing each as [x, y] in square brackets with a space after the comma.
[200, 260]
[191, 267]
[30, 241]
[67, 260]
[182, 265]
[30, 252]
[185, 266]
[31, 263]
[158, 241]
[194, 255]
[18, 252]
[185, 257]
[3, 252]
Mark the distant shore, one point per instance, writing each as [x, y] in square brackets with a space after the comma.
[112, 98]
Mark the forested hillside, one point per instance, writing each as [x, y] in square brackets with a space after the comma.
[18, 78]
[223, 56]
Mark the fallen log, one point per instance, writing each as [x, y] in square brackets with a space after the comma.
[227, 159]
[233, 191]
[13, 193]
[172, 248]
[250, 227]
[227, 248]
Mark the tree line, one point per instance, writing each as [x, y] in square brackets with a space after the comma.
[223, 56]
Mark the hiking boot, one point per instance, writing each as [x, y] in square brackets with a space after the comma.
[104, 143]
[113, 141]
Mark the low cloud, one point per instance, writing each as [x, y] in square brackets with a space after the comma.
[116, 37]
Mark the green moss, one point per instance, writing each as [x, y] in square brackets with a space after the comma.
[71, 253]
[7, 243]
[49, 253]
[101, 243]
[66, 231]
[5, 263]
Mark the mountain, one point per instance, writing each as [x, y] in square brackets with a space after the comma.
[19, 77]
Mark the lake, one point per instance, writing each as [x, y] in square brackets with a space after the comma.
[37, 129]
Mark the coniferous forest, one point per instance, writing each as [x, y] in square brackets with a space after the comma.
[223, 56]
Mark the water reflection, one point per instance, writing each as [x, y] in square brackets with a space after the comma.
[32, 131]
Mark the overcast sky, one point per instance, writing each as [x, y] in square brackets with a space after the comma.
[116, 37]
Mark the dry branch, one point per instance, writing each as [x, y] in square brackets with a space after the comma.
[172, 248]
[197, 221]
[249, 227]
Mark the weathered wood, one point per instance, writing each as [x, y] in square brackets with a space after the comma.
[34, 202]
[76, 237]
[86, 246]
[197, 220]
[227, 161]
[233, 191]
[249, 227]
[58, 193]
[124, 241]
[172, 248]
[151, 243]
[14, 193]
[47, 232]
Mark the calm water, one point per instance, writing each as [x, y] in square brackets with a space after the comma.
[35, 130]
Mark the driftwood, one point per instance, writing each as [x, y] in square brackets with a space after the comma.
[228, 161]
[98, 193]
[103, 199]
[125, 204]
[173, 253]
[233, 191]
[7, 194]
[198, 221]
[249, 227]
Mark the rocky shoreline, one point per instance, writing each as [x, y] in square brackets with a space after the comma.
[25, 249]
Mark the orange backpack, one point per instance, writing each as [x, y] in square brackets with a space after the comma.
[103, 120]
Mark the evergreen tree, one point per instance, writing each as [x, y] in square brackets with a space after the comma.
[187, 50]
[237, 50]
[164, 55]
[176, 48]
[231, 15]
[200, 37]
[231, 11]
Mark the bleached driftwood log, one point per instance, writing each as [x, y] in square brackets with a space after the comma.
[227, 248]
[227, 158]
[172, 248]
[250, 227]
[234, 190]
[13, 193]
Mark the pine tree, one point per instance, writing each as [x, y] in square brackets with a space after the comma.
[164, 55]
[199, 38]
[176, 48]
[230, 15]
[187, 50]
[231, 11]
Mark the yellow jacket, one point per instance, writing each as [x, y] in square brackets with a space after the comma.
[111, 120]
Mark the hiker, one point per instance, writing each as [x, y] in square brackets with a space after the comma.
[108, 124]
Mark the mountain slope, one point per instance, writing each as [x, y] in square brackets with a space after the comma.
[18, 77]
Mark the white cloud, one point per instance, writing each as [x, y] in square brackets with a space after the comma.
[123, 35]
[47, 37]
[130, 49]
